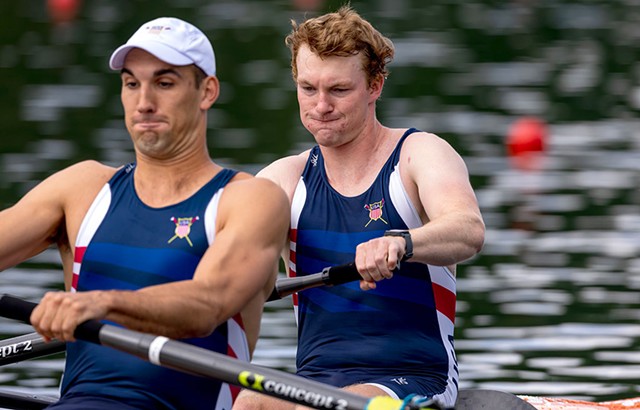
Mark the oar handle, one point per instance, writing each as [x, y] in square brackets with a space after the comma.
[337, 275]
[330, 276]
[18, 309]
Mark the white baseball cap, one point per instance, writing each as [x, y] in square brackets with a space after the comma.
[171, 40]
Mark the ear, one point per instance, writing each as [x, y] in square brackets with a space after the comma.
[375, 89]
[211, 92]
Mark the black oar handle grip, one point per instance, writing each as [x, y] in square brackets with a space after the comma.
[333, 275]
[15, 308]
[337, 275]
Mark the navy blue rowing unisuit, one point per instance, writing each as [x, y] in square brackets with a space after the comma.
[398, 336]
[125, 244]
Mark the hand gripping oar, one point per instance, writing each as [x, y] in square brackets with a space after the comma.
[330, 276]
[184, 357]
[33, 345]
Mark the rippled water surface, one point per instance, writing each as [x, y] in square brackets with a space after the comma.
[552, 305]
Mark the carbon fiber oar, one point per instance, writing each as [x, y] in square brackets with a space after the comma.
[24, 401]
[27, 346]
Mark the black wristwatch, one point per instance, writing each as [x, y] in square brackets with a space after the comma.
[408, 248]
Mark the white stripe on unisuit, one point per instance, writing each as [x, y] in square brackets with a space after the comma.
[155, 348]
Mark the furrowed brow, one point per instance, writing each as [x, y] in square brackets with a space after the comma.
[158, 73]
[165, 71]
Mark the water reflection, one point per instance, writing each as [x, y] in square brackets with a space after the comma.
[551, 305]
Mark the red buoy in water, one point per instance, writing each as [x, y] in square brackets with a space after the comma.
[526, 142]
[63, 11]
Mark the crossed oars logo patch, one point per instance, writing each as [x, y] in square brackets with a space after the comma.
[375, 212]
[183, 228]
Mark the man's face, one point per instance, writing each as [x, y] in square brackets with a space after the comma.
[161, 103]
[334, 97]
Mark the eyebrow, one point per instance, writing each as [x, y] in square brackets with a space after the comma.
[157, 73]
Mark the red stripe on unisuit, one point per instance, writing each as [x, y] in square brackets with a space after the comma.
[231, 352]
[445, 301]
[293, 236]
[235, 390]
[238, 318]
[79, 254]
[74, 281]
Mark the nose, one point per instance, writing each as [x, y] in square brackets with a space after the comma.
[146, 99]
[324, 104]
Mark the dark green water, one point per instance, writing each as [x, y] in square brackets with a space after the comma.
[552, 305]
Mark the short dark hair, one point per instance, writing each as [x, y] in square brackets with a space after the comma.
[200, 75]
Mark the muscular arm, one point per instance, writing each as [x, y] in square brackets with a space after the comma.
[238, 268]
[437, 181]
[32, 224]
[455, 229]
[42, 217]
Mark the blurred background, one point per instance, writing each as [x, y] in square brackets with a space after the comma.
[540, 97]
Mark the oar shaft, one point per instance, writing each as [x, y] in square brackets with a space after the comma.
[196, 360]
[27, 346]
[24, 401]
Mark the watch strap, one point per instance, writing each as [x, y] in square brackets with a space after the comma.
[408, 249]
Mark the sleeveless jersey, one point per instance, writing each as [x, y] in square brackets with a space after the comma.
[124, 244]
[346, 335]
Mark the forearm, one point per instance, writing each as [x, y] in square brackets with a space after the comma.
[177, 310]
[448, 240]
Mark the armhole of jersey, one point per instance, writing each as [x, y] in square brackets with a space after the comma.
[210, 215]
[211, 211]
[90, 224]
[297, 204]
[401, 200]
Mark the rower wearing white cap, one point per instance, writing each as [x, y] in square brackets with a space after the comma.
[171, 40]
[170, 244]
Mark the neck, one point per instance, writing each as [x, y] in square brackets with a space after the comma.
[351, 168]
[160, 184]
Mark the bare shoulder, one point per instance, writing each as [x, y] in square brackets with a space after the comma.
[69, 184]
[85, 172]
[249, 190]
[428, 146]
[291, 165]
[427, 139]
[257, 204]
[286, 171]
